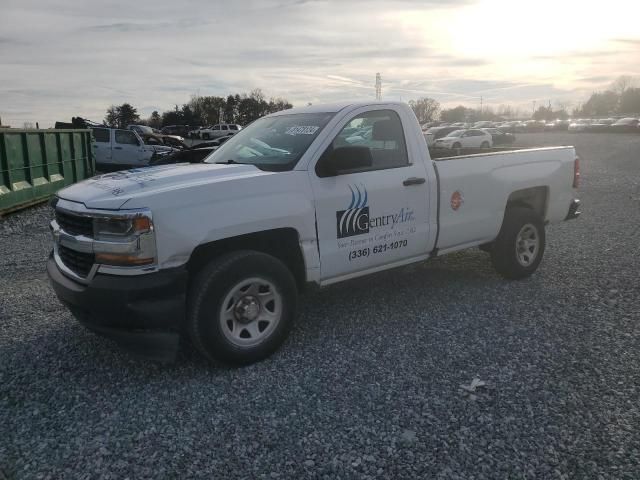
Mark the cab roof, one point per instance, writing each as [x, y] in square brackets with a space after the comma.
[333, 107]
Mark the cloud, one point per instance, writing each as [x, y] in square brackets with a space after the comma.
[77, 58]
[629, 41]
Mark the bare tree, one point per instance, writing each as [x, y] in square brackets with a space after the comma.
[426, 109]
[623, 83]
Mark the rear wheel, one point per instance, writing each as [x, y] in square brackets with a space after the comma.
[456, 145]
[484, 145]
[518, 250]
[241, 307]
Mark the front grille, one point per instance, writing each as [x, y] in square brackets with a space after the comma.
[78, 262]
[74, 224]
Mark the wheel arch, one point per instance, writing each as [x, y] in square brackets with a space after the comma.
[281, 243]
[536, 198]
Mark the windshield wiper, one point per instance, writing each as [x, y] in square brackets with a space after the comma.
[230, 162]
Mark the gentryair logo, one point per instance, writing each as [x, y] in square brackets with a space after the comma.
[355, 219]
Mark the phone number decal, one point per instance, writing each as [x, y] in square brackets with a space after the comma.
[366, 252]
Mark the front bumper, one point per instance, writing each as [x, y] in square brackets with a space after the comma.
[144, 313]
[574, 210]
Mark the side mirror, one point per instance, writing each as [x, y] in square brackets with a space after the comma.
[344, 159]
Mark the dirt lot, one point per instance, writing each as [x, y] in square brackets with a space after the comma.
[368, 385]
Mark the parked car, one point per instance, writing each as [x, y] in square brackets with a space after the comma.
[625, 125]
[499, 137]
[601, 125]
[218, 130]
[179, 130]
[183, 250]
[160, 139]
[141, 129]
[556, 125]
[483, 124]
[116, 149]
[190, 155]
[428, 125]
[532, 126]
[509, 127]
[435, 133]
[580, 125]
[472, 138]
[213, 143]
[146, 132]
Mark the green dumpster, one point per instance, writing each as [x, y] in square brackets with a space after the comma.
[34, 164]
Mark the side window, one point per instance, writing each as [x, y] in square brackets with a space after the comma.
[379, 131]
[224, 127]
[101, 135]
[216, 127]
[126, 137]
[233, 127]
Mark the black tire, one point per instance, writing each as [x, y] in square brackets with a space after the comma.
[210, 289]
[456, 145]
[484, 145]
[205, 136]
[508, 254]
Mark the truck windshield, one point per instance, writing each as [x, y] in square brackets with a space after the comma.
[272, 143]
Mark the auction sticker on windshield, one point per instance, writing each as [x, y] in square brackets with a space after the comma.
[302, 130]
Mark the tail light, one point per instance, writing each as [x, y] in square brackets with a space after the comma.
[576, 172]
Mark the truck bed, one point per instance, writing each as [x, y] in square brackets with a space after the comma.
[483, 183]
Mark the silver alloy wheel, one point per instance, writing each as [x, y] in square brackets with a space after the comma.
[527, 245]
[250, 312]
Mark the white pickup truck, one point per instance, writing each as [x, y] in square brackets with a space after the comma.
[117, 149]
[218, 252]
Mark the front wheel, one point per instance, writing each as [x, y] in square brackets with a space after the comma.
[241, 307]
[518, 250]
[484, 145]
[456, 145]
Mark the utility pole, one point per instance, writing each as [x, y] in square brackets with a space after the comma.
[480, 106]
[378, 87]
[534, 108]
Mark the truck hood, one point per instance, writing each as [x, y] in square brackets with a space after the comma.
[112, 190]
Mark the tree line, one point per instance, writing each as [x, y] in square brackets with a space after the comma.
[201, 111]
[621, 98]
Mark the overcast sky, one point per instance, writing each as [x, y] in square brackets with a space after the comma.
[63, 58]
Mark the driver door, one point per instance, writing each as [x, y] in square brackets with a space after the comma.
[128, 150]
[374, 215]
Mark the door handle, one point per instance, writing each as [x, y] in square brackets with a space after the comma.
[414, 181]
[117, 148]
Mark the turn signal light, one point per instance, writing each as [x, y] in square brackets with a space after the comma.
[141, 224]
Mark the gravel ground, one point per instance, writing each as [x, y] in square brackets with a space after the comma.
[369, 383]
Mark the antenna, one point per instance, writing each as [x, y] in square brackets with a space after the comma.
[378, 87]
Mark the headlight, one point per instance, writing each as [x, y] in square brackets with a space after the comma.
[125, 240]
